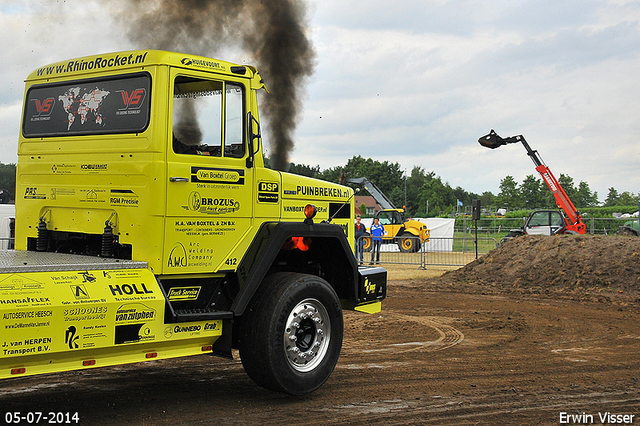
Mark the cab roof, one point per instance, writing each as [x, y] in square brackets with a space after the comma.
[134, 59]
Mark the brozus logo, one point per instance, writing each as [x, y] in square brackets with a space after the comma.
[44, 107]
[195, 201]
[369, 287]
[201, 204]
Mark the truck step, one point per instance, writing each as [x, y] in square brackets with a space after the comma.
[199, 314]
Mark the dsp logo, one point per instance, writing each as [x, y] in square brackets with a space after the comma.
[268, 187]
[132, 100]
[44, 107]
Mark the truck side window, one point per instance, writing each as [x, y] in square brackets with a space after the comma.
[556, 219]
[234, 121]
[397, 220]
[206, 114]
[197, 116]
[539, 219]
[384, 218]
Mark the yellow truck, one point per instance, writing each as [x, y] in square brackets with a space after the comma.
[147, 227]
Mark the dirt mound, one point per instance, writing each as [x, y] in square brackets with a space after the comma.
[604, 268]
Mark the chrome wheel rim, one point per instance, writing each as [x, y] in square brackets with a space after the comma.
[307, 335]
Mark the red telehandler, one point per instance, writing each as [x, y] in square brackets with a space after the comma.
[542, 222]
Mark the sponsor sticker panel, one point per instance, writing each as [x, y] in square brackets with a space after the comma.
[46, 313]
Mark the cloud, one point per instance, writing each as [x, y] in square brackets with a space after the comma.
[11, 127]
[418, 82]
[561, 73]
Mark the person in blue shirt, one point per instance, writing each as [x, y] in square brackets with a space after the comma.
[377, 231]
[360, 233]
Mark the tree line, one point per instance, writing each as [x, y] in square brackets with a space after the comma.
[424, 194]
[7, 183]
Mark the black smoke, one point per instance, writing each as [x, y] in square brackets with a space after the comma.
[186, 127]
[271, 32]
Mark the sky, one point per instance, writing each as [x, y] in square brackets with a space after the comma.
[417, 82]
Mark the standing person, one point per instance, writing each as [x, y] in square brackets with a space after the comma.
[377, 231]
[360, 232]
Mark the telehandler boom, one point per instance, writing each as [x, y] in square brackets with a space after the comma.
[571, 220]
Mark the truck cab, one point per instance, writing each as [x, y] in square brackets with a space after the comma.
[541, 222]
[144, 159]
[545, 222]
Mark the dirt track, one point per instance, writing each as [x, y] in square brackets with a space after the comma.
[439, 353]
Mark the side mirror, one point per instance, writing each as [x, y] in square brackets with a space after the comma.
[251, 136]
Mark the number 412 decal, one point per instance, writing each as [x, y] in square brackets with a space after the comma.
[232, 261]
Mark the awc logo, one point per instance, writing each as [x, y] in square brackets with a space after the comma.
[177, 257]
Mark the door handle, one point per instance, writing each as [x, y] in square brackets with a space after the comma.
[178, 179]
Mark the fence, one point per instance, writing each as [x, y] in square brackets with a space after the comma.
[7, 243]
[454, 251]
[500, 226]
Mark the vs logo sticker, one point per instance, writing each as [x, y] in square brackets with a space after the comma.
[133, 100]
[44, 107]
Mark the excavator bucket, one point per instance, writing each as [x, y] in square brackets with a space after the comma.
[492, 140]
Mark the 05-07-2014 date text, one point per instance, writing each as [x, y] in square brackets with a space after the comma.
[39, 417]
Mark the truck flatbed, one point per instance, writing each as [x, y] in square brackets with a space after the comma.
[16, 261]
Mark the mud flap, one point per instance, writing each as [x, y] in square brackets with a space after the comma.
[372, 289]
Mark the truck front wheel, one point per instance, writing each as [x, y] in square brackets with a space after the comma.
[291, 333]
[408, 243]
[366, 243]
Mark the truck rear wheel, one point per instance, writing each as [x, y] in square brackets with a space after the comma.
[628, 231]
[510, 235]
[291, 333]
